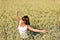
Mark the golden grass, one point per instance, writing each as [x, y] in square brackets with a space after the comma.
[44, 14]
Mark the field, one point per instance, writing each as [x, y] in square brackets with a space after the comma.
[43, 14]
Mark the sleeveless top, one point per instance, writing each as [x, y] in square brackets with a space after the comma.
[22, 30]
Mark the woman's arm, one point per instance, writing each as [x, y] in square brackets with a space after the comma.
[17, 17]
[36, 30]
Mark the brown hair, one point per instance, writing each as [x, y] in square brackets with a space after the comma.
[26, 18]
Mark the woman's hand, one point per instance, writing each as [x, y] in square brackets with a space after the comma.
[44, 31]
[16, 12]
[17, 17]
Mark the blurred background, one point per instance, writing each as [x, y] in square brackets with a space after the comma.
[43, 14]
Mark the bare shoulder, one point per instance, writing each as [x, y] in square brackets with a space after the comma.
[29, 27]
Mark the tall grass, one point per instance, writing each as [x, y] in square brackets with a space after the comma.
[44, 14]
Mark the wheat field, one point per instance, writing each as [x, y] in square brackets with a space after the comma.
[43, 14]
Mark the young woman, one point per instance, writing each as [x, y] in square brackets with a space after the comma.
[24, 24]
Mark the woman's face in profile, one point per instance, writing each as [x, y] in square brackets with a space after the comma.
[22, 22]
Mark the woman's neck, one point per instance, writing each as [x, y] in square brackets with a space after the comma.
[23, 25]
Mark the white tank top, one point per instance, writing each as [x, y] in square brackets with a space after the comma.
[22, 30]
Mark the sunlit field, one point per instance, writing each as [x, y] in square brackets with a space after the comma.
[43, 14]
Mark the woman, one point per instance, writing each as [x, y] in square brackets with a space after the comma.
[24, 24]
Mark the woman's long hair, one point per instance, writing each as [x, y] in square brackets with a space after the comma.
[26, 18]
